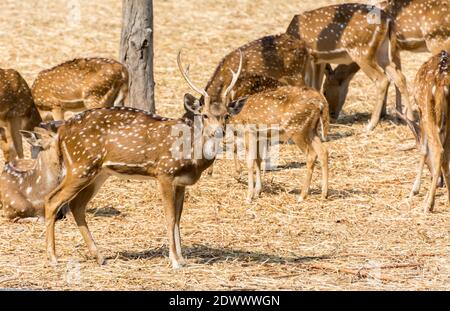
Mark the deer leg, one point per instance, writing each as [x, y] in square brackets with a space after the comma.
[319, 73]
[58, 114]
[179, 202]
[436, 154]
[322, 152]
[168, 195]
[65, 192]
[9, 152]
[15, 127]
[417, 182]
[376, 74]
[446, 173]
[78, 208]
[252, 154]
[399, 79]
[210, 170]
[258, 183]
[311, 157]
[250, 167]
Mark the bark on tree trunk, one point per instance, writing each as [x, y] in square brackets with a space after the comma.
[136, 51]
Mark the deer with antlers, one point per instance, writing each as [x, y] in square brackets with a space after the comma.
[432, 93]
[17, 112]
[24, 183]
[352, 32]
[128, 142]
[297, 113]
[80, 84]
[420, 26]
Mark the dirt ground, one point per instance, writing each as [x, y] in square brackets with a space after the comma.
[363, 237]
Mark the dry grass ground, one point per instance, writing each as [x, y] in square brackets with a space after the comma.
[274, 243]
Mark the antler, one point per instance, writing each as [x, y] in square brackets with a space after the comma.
[185, 74]
[233, 80]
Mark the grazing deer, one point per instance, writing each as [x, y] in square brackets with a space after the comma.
[432, 94]
[17, 112]
[129, 142]
[268, 63]
[421, 26]
[297, 113]
[80, 84]
[24, 183]
[352, 32]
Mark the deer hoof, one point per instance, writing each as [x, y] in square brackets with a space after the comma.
[101, 260]
[370, 127]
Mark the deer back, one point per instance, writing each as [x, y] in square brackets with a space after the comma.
[341, 27]
[289, 108]
[77, 79]
[127, 142]
[268, 62]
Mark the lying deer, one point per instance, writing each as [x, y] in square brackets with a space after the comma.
[297, 112]
[420, 26]
[128, 142]
[80, 84]
[351, 32]
[17, 112]
[432, 94]
[24, 183]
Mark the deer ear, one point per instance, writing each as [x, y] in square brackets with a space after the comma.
[328, 71]
[30, 137]
[236, 106]
[191, 103]
[51, 125]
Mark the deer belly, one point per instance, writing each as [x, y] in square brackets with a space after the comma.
[126, 170]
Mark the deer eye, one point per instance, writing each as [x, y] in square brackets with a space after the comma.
[204, 116]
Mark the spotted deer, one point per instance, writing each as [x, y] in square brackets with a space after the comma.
[17, 112]
[297, 113]
[24, 183]
[80, 84]
[269, 62]
[421, 26]
[128, 142]
[352, 32]
[432, 95]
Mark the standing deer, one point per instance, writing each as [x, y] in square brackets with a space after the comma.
[432, 94]
[269, 62]
[132, 143]
[17, 112]
[297, 112]
[24, 183]
[352, 32]
[421, 26]
[80, 84]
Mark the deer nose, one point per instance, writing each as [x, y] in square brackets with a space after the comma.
[219, 132]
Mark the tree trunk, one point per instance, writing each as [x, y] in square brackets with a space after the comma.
[136, 52]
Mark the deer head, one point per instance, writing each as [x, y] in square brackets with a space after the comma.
[214, 115]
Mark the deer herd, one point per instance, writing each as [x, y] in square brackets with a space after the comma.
[285, 80]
